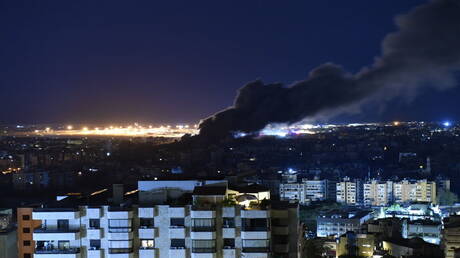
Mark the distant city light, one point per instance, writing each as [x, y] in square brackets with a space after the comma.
[130, 130]
[446, 123]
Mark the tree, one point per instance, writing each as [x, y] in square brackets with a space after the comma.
[313, 248]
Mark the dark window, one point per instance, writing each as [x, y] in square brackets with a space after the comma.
[177, 222]
[228, 222]
[146, 223]
[229, 243]
[63, 224]
[27, 256]
[94, 244]
[26, 217]
[255, 224]
[177, 243]
[26, 230]
[94, 223]
[26, 243]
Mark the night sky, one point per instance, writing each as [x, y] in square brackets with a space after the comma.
[180, 61]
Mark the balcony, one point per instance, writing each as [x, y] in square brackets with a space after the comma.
[120, 213]
[55, 213]
[204, 253]
[255, 252]
[255, 214]
[203, 234]
[146, 212]
[228, 212]
[121, 253]
[178, 253]
[95, 253]
[177, 232]
[228, 232]
[203, 214]
[43, 234]
[147, 233]
[147, 253]
[254, 232]
[93, 212]
[57, 253]
[120, 235]
[229, 253]
[177, 212]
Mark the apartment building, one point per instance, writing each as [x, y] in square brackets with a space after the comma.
[418, 191]
[187, 219]
[26, 227]
[307, 191]
[349, 191]
[377, 193]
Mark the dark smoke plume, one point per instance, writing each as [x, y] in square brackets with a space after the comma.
[425, 51]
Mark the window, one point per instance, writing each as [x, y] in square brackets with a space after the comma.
[94, 244]
[26, 230]
[26, 243]
[254, 225]
[203, 225]
[229, 243]
[147, 243]
[27, 256]
[177, 222]
[94, 223]
[256, 246]
[120, 225]
[63, 245]
[228, 222]
[63, 224]
[203, 246]
[25, 217]
[146, 223]
[177, 243]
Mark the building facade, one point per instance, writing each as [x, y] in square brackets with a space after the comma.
[207, 226]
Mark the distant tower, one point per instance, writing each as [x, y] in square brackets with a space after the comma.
[428, 165]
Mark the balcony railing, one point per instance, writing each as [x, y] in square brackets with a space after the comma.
[46, 230]
[55, 209]
[252, 228]
[120, 250]
[57, 251]
[204, 250]
[117, 208]
[204, 229]
[256, 249]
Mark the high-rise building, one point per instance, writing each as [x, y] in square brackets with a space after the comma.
[199, 222]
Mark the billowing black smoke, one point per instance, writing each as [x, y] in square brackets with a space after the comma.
[424, 52]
